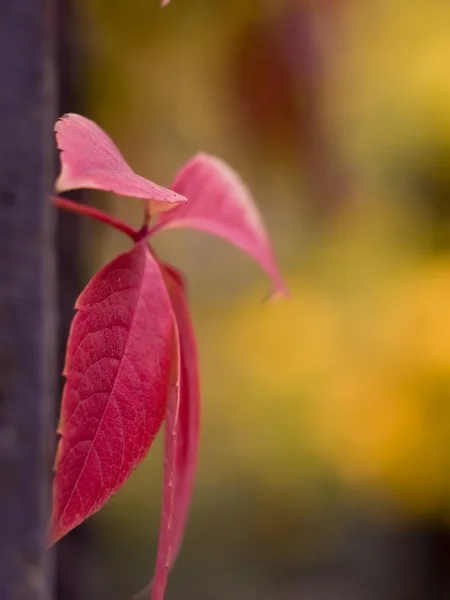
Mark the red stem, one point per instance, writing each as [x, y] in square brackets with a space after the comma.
[95, 213]
[143, 232]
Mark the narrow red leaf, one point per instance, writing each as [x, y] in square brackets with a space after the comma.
[117, 369]
[182, 431]
[189, 412]
[90, 159]
[220, 203]
[181, 439]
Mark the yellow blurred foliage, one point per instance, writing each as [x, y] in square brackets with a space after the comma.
[374, 394]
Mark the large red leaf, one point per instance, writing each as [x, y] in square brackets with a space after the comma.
[90, 159]
[117, 369]
[182, 428]
[220, 203]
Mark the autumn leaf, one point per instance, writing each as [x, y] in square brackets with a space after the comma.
[181, 438]
[220, 203]
[90, 159]
[117, 369]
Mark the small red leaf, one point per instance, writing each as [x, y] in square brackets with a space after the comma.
[90, 159]
[182, 431]
[219, 203]
[117, 369]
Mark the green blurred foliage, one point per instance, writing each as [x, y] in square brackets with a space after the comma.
[344, 389]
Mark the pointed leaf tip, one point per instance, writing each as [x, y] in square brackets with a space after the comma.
[117, 370]
[221, 204]
[90, 159]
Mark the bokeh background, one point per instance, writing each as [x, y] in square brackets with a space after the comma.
[325, 452]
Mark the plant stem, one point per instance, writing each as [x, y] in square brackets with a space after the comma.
[95, 213]
[144, 230]
[147, 215]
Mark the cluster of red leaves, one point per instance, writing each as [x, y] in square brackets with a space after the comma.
[131, 359]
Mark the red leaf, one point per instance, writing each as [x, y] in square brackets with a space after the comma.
[182, 431]
[90, 159]
[117, 369]
[219, 203]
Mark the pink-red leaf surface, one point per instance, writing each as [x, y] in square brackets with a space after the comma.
[117, 369]
[181, 439]
[221, 204]
[90, 159]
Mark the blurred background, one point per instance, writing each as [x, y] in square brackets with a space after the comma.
[325, 452]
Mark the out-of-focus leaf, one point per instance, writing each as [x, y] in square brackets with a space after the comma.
[220, 203]
[90, 159]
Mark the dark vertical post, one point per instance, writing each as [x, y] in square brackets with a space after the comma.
[27, 314]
